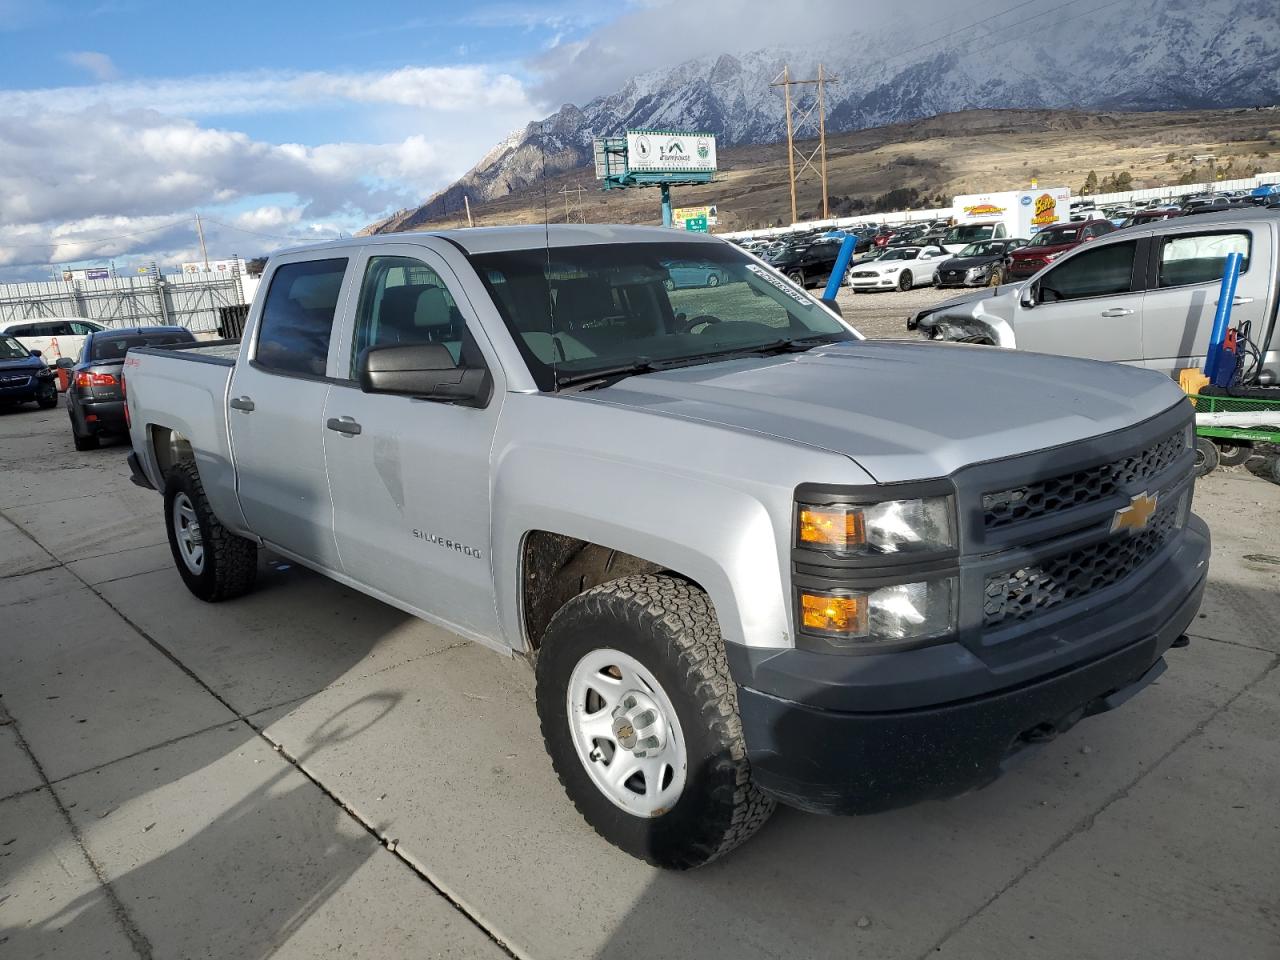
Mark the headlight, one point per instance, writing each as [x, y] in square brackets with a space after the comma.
[904, 612]
[877, 529]
[977, 271]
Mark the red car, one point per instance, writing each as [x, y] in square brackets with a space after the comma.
[1050, 243]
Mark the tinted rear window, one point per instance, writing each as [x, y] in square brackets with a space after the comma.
[108, 347]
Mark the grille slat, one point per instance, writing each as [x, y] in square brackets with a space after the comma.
[1045, 497]
[1016, 595]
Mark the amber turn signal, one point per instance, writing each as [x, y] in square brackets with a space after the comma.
[844, 616]
[840, 527]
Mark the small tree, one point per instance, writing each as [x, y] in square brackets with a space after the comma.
[1171, 158]
[1090, 183]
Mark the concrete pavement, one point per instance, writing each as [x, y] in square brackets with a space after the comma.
[307, 772]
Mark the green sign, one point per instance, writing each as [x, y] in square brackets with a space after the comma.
[696, 224]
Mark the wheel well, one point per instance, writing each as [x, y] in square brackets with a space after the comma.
[169, 447]
[554, 569]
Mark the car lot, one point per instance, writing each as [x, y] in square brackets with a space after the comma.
[307, 772]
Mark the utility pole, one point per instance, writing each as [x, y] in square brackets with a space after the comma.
[806, 117]
[467, 200]
[204, 254]
[573, 212]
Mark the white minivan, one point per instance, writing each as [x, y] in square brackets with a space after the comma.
[54, 337]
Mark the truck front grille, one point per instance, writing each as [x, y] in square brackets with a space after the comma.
[1015, 595]
[1044, 497]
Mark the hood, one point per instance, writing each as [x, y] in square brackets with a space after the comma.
[1028, 252]
[965, 263]
[31, 364]
[904, 410]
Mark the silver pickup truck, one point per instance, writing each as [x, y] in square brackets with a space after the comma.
[752, 556]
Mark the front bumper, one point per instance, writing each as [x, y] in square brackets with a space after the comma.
[842, 735]
[27, 388]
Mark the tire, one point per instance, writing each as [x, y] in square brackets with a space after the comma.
[48, 399]
[1232, 454]
[796, 277]
[713, 280]
[81, 442]
[904, 281]
[996, 278]
[1206, 457]
[227, 564]
[666, 628]
[1273, 469]
[668, 285]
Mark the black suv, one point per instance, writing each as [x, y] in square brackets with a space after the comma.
[809, 263]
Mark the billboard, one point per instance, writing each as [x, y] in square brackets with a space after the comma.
[87, 273]
[667, 151]
[215, 266]
[1023, 212]
[697, 219]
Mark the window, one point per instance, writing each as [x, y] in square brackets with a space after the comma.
[575, 310]
[297, 318]
[11, 349]
[24, 330]
[402, 300]
[84, 329]
[1200, 257]
[107, 346]
[1097, 272]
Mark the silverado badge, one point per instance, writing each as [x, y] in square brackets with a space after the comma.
[1135, 516]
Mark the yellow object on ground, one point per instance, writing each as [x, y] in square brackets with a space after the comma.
[1191, 380]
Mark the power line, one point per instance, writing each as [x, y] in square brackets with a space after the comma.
[256, 233]
[63, 243]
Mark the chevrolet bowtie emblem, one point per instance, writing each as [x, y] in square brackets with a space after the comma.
[1135, 516]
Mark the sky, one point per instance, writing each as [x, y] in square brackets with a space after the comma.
[283, 121]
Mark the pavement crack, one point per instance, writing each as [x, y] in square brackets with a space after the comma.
[1085, 823]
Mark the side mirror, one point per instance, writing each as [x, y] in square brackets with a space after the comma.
[65, 363]
[36, 353]
[833, 306]
[1028, 297]
[424, 370]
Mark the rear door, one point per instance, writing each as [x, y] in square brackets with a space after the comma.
[410, 477]
[276, 415]
[1088, 304]
[1184, 278]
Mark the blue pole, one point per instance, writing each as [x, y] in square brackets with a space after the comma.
[1221, 319]
[842, 264]
[666, 205]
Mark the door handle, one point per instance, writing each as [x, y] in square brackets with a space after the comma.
[1236, 301]
[241, 403]
[1117, 312]
[343, 425]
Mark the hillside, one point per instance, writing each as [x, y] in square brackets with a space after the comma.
[1134, 55]
[942, 156]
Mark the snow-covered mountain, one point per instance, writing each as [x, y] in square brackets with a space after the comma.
[1136, 54]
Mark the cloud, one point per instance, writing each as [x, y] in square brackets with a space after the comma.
[98, 65]
[72, 176]
[451, 89]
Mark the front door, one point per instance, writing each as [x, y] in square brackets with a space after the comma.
[410, 477]
[1089, 305]
[277, 412]
[1182, 295]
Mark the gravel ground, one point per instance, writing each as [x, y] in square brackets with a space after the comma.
[883, 314]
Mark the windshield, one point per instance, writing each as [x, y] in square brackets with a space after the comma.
[901, 253]
[1050, 238]
[108, 347]
[11, 349]
[575, 310]
[969, 232]
[979, 249]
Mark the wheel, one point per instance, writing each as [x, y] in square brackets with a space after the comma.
[904, 281]
[796, 277]
[1206, 456]
[640, 718]
[996, 278]
[668, 284]
[82, 443]
[1273, 469]
[214, 563]
[48, 397]
[713, 280]
[1232, 454]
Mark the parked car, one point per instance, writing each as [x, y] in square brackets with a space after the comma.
[1143, 295]
[759, 559]
[682, 277]
[1051, 243]
[95, 396]
[24, 376]
[808, 264]
[54, 337]
[898, 268]
[1152, 215]
[963, 234]
[978, 265]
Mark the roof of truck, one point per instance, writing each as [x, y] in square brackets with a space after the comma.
[526, 237]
